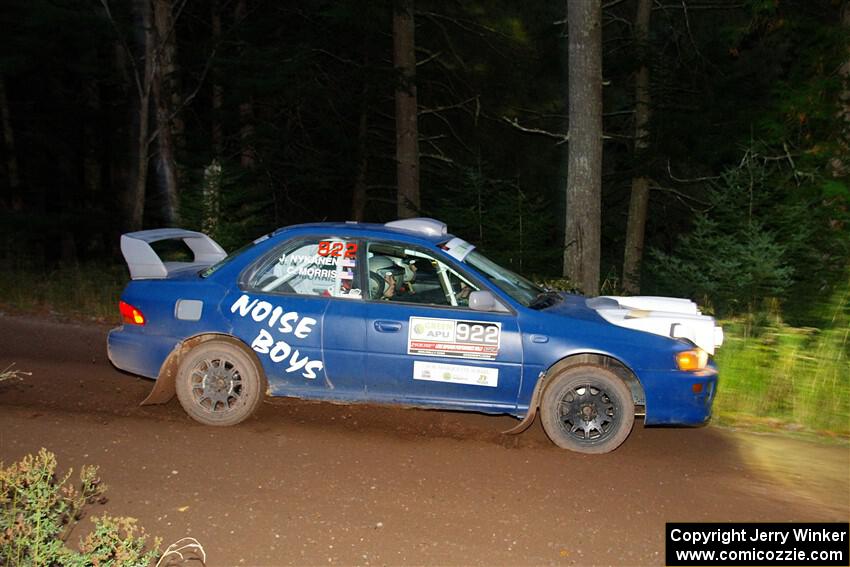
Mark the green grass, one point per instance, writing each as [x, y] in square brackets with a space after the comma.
[792, 377]
[86, 291]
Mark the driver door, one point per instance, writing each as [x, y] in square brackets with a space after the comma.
[424, 346]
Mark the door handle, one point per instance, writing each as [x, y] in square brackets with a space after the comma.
[387, 326]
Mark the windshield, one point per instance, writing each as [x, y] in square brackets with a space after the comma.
[519, 288]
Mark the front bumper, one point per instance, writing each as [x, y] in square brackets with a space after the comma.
[679, 398]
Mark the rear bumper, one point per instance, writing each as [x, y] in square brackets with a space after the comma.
[136, 352]
[679, 398]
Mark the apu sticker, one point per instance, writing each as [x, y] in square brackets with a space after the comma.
[455, 374]
[451, 337]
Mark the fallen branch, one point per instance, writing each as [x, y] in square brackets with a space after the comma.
[9, 374]
[184, 545]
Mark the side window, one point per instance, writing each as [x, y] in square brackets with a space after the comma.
[400, 273]
[318, 266]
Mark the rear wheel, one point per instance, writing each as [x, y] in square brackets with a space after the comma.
[587, 409]
[218, 383]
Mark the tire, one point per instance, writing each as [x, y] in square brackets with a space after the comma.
[218, 383]
[587, 409]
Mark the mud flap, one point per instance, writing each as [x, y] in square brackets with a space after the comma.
[163, 391]
[532, 408]
[163, 388]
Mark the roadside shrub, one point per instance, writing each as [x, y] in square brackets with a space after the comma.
[558, 284]
[795, 376]
[40, 509]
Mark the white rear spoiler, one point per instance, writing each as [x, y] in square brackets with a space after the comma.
[144, 263]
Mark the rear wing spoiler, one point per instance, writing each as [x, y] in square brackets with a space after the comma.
[144, 263]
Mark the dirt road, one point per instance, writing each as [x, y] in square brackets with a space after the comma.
[319, 484]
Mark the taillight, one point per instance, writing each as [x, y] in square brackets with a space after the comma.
[130, 314]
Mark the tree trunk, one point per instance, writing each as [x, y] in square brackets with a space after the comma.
[135, 200]
[359, 196]
[407, 132]
[582, 238]
[119, 146]
[839, 165]
[14, 179]
[163, 91]
[211, 193]
[92, 172]
[639, 203]
[217, 90]
[248, 156]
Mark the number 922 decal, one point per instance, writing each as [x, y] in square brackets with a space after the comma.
[452, 337]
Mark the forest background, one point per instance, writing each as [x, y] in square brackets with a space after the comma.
[724, 172]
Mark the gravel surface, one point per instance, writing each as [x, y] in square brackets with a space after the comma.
[307, 483]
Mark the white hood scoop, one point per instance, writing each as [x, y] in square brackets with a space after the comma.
[665, 316]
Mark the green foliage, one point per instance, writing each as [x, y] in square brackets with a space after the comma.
[501, 219]
[246, 207]
[729, 270]
[799, 376]
[115, 541]
[88, 291]
[610, 286]
[39, 510]
[765, 233]
[558, 284]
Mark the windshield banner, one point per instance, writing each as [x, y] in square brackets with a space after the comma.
[458, 248]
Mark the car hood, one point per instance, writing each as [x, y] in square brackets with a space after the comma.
[665, 316]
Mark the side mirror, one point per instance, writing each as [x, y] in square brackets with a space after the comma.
[485, 301]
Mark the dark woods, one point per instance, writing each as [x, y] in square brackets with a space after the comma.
[724, 131]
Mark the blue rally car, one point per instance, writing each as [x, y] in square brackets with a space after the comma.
[404, 313]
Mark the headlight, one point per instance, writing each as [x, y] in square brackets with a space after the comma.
[691, 360]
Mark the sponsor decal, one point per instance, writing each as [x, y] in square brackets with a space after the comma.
[326, 268]
[282, 322]
[336, 249]
[454, 338]
[318, 266]
[455, 374]
[320, 273]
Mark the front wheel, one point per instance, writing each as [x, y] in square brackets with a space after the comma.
[587, 409]
[218, 383]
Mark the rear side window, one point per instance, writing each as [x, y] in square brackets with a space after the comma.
[317, 266]
[232, 256]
